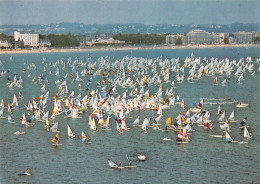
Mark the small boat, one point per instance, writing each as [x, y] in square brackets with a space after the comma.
[240, 105]
[114, 165]
[129, 163]
[217, 136]
[55, 140]
[166, 139]
[27, 173]
[19, 132]
[242, 142]
[141, 157]
[20, 174]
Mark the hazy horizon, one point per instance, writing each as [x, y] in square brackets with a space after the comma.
[148, 12]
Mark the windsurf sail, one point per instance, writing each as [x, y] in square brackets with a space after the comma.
[111, 163]
[84, 137]
[71, 134]
[246, 133]
[55, 139]
[228, 138]
[168, 122]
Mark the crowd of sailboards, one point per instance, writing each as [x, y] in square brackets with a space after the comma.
[113, 89]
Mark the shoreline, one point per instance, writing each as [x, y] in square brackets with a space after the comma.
[96, 49]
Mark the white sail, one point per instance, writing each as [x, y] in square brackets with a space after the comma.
[225, 127]
[144, 127]
[112, 164]
[54, 128]
[246, 133]
[2, 103]
[172, 102]
[123, 125]
[158, 118]
[224, 82]
[43, 87]
[137, 121]
[222, 117]
[232, 116]
[70, 132]
[219, 110]
[188, 128]
[10, 119]
[2, 113]
[15, 102]
[92, 124]
[228, 138]
[159, 112]
[45, 116]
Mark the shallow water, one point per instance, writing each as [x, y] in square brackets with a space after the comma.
[203, 160]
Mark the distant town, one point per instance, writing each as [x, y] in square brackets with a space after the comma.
[36, 39]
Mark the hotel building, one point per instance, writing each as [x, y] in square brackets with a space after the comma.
[29, 38]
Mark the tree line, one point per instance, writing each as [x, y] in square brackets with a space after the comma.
[63, 40]
[10, 39]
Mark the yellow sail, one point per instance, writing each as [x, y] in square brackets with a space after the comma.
[55, 139]
[168, 122]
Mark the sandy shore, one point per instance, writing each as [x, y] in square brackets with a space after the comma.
[90, 49]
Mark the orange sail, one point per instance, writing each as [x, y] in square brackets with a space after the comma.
[214, 81]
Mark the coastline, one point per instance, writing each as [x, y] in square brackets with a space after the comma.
[119, 48]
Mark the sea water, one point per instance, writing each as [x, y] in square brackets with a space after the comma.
[203, 160]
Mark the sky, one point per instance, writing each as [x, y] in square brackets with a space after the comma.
[148, 12]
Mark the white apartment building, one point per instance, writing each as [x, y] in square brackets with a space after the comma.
[243, 37]
[29, 38]
[198, 36]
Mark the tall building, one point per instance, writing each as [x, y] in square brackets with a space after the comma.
[29, 38]
[243, 37]
[198, 36]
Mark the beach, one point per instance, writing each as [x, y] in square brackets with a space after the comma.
[118, 48]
